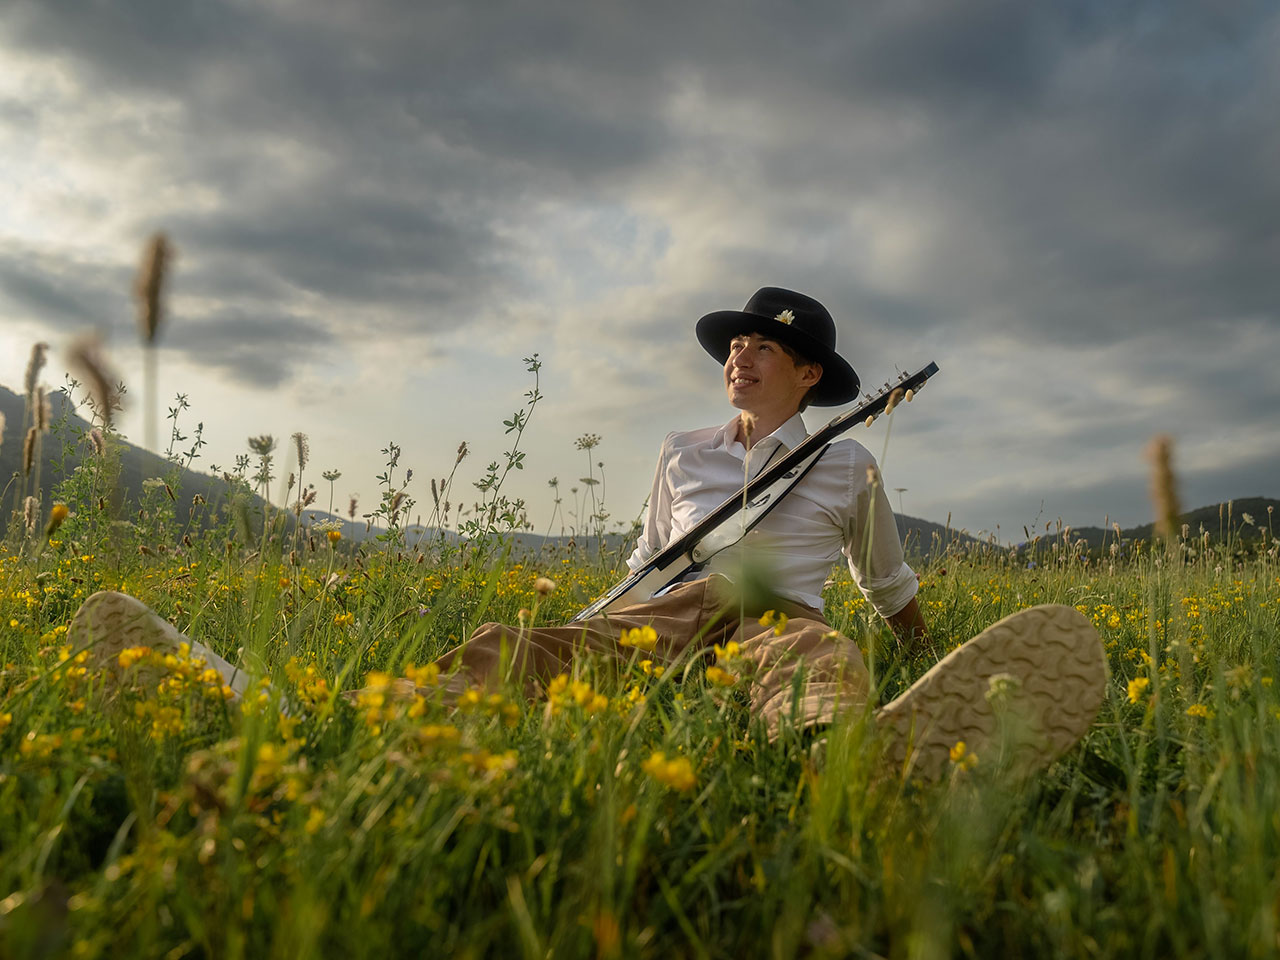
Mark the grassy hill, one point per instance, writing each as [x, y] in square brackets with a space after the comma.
[66, 447]
[1243, 519]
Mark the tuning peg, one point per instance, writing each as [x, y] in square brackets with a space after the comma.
[911, 395]
[871, 419]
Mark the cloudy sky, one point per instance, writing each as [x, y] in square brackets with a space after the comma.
[381, 207]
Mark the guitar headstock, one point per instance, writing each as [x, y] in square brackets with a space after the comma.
[892, 393]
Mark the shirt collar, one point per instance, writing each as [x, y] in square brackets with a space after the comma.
[791, 433]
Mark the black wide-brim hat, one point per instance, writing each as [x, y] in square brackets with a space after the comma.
[800, 322]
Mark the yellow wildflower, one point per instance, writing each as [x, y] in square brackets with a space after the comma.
[315, 820]
[721, 677]
[334, 536]
[423, 676]
[776, 620]
[1136, 686]
[581, 692]
[57, 514]
[131, 655]
[1199, 710]
[962, 756]
[642, 638]
[433, 733]
[729, 651]
[676, 774]
[344, 619]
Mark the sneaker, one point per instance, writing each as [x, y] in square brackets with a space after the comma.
[108, 623]
[1015, 697]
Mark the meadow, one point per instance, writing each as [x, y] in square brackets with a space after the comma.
[640, 814]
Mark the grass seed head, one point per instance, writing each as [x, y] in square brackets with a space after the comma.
[1164, 494]
[30, 513]
[303, 449]
[86, 355]
[243, 522]
[97, 442]
[43, 411]
[29, 451]
[150, 286]
[34, 366]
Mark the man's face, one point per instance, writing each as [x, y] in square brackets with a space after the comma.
[761, 378]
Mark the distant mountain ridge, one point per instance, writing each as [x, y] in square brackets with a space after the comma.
[1218, 519]
[136, 464]
[920, 537]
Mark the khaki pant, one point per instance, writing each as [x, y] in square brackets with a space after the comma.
[801, 677]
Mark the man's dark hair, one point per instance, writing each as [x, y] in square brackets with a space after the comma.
[798, 359]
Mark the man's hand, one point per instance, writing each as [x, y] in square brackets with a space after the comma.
[908, 624]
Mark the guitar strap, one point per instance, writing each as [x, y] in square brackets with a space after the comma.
[694, 572]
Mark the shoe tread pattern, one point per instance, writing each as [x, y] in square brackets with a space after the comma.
[1055, 656]
[108, 623]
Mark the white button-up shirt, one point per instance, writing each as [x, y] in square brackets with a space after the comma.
[833, 511]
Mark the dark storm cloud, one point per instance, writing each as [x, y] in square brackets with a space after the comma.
[350, 248]
[65, 293]
[255, 350]
[1086, 174]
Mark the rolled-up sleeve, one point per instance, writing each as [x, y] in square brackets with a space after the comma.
[657, 519]
[873, 548]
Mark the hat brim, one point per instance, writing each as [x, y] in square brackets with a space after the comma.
[839, 383]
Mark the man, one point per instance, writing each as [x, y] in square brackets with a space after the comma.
[1044, 666]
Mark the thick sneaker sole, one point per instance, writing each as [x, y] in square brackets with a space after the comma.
[109, 622]
[1018, 695]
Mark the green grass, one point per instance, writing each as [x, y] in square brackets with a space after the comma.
[301, 825]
